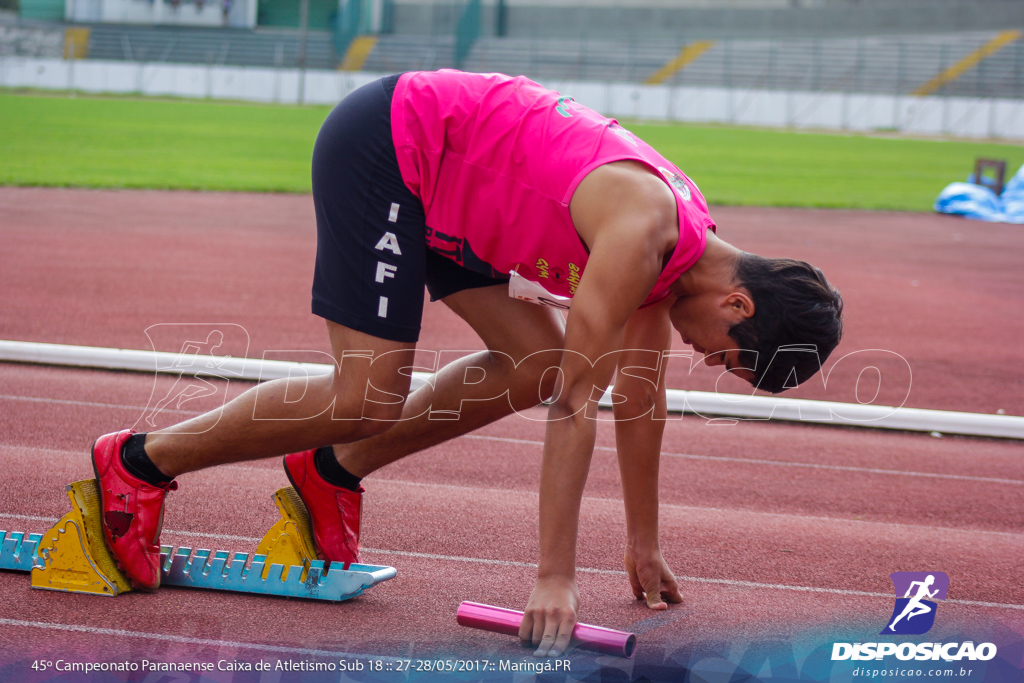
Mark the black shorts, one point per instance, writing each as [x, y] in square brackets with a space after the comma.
[372, 261]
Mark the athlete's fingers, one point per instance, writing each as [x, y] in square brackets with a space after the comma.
[557, 636]
[531, 630]
[539, 629]
[648, 579]
[670, 589]
[565, 629]
[653, 590]
[547, 640]
[634, 582]
[557, 632]
[526, 629]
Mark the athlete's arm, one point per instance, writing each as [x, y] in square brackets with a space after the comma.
[628, 224]
[640, 414]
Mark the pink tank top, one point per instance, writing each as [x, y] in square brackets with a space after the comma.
[495, 161]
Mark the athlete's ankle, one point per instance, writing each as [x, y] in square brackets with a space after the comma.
[328, 467]
[157, 449]
[136, 460]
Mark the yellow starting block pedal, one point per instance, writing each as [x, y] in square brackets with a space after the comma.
[289, 542]
[72, 556]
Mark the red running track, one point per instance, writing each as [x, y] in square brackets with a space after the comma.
[775, 529]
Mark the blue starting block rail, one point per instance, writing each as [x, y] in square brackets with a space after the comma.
[18, 550]
[213, 570]
[226, 571]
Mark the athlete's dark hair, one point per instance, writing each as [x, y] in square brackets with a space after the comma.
[797, 321]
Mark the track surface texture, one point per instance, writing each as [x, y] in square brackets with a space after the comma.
[776, 530]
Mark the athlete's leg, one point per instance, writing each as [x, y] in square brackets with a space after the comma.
[361, 398]
[516, 335]
[368, 281]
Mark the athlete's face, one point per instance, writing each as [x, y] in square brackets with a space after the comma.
[704, 321]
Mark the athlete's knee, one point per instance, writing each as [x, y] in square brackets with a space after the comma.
[633, 400]
[356, 417]
[536, 377]
[546, 382]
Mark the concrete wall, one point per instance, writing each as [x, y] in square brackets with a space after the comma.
[961, 117]
[254, 84]
[964, 117]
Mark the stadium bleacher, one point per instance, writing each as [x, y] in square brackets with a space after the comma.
[235, 47]
[884, 64]
[977, 63]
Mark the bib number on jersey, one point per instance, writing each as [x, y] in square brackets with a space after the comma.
[526, 290]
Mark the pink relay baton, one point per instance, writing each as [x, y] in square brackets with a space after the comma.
[499, 620]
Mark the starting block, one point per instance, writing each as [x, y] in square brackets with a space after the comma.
[72, 557]
[290, 541]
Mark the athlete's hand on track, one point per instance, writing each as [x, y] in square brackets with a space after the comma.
[550, 616]
[651, 579]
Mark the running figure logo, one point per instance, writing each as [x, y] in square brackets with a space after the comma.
[188, 363]
[914, 613]
[197, 373]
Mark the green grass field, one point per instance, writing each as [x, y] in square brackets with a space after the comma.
[199, 145]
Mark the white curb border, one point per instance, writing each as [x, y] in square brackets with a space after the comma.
[702, 403]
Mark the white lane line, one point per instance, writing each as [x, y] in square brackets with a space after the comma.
[698, 509]
[219, 537]
[670, 506]
[121, 633]
[31, 518]
[778, 463]
[582, 570]
[689, 456]
[693, 579]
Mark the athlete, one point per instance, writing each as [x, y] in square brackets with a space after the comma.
[463, 182]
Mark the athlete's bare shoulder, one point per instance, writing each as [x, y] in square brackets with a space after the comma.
[625, 196]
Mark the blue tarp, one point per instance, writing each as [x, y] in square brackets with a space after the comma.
[981, 203]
